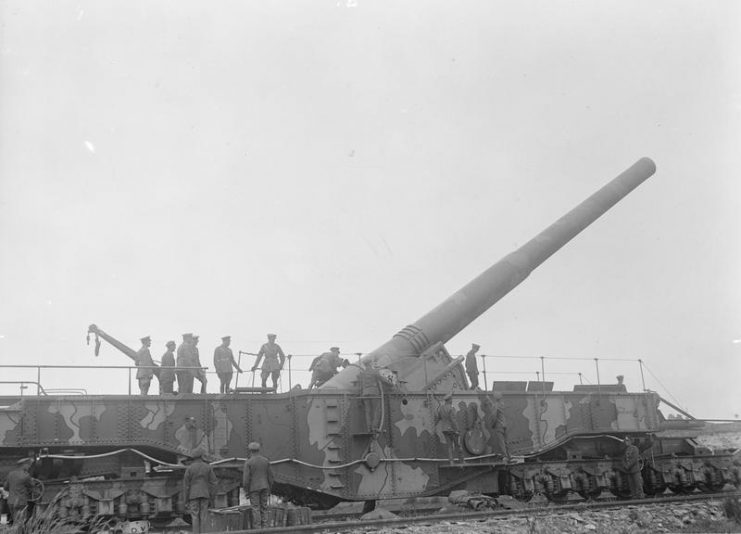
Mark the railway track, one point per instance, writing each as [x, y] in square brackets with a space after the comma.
[353, 524]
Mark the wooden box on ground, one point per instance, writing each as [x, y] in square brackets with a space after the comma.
[224, 521]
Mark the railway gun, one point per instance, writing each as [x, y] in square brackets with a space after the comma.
[121, 456]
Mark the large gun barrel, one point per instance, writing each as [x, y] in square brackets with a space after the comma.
[462, 307]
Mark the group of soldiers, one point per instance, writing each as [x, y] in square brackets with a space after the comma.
[199, 487]
[493, 424]
[184, 365]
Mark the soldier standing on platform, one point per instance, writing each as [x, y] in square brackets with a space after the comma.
[199, 487]
[499, 425]
[325, 366]
[446, 418]
[472, 367]
[19, 485]
[272, 365]
[186, 358]
[224, 362]
[199, 374]
[620, 383]
[632, 465]
[370, 395]
[257, 480]
[146, 366]
[167, 371]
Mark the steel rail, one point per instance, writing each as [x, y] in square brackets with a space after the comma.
[357, 525]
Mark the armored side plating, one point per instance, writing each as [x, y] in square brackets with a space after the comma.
[120, 455]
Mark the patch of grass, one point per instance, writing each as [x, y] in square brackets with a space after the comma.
[49, 522]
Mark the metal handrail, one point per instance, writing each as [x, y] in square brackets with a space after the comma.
[39, 367]
[24, 382]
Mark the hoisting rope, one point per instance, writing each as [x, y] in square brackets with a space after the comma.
[97, 342]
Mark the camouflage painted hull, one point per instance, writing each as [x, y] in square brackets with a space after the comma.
[121, 455]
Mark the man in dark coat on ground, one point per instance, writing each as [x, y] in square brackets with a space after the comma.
[19, 486]
[257, 480]
[632, 465]
[199, 486]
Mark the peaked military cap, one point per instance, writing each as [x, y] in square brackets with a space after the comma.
[272, 335]
[475, 346]
[186, 336]
[170, 344]
[335, 349]
[196, 453]
[254, 446]
[224, 338]
[449, 396]
[145, 338]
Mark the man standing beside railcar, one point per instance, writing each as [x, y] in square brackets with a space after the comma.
[224, 363]
[274, 360]
[257, 480]
[199, 487]
[19, 486]
[632, 465]
[146, 366]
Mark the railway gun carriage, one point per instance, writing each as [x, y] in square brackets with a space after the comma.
[121, 456]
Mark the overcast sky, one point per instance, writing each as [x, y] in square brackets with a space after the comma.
[330, 171]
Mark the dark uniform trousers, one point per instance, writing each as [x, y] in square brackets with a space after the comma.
[199, 483]
[259, 504]
[633, 469]
[198, 509]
